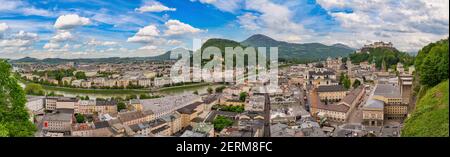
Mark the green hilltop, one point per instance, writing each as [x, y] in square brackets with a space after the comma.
[430, 119]
[390, 56]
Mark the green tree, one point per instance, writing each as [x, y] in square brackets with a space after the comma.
[100, 99]
[80, 118]
[221, 122]
[210, 90]
[432, 66]
[80, 75]
[344, 81]
[356, 84]
[220, 89]
[347, 83]
[129, 97]
[242, 96]
[34, 89]
[14, 118]
[3, 131]
[121, 106]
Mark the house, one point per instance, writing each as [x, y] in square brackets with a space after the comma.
[110, 83]
[59, 121]
[155, 127]
[204, 128]
[190, 112]
[373, 113]
[76, 83]
[99, 81]
[66, 80]
[135, 117]
[83, 130]
[66, 103]
[210, 101]
[85, 107]
[331, 92]
[255, 103]
[339, 111]
[123, 83]
[162, 81]
[189, 133]
[174, 122]
[50, 103]
[35, 103]
[144, 82]
[108, 106]
[86, 84]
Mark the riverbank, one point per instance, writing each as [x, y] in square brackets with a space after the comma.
[182, 87]
[172, 89]
[96, 91]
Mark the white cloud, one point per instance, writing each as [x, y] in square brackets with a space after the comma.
[148, 34]
[175, 27]
[273, 19]
[51, 45]
[35, 11]
[148, 47]
[150, 30]
[9, 4]
[26, 35]
[224, 5]
[249, 21]
[77, 46]
[21, 41]
[154, 6]
[3, 27]
[409, 24]
[70, 21]
[15, 43]
[149, 51]
[16, 25]
[94, 42]
[174, 42]
[21, 7]
[62, 36]
[140, 39]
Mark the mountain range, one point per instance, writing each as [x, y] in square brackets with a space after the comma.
[299, 52]
[286, 51]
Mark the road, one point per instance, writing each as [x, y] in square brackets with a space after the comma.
[356, 115]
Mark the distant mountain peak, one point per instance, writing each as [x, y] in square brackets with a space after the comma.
[298, 51]
[342, 46]
[260, 37]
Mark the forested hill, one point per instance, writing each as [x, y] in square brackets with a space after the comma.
[390, 56]
[430, 117]
[299, 52]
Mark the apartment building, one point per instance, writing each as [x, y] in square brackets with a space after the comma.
[135, 117]
[189, 112]
[373, 113]
[59, 121]
[331, 92]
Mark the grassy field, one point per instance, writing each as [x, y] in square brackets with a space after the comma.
[430, 119]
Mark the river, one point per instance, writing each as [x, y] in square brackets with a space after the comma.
[200, 89]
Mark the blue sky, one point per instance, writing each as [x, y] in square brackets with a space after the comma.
[96, 28]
